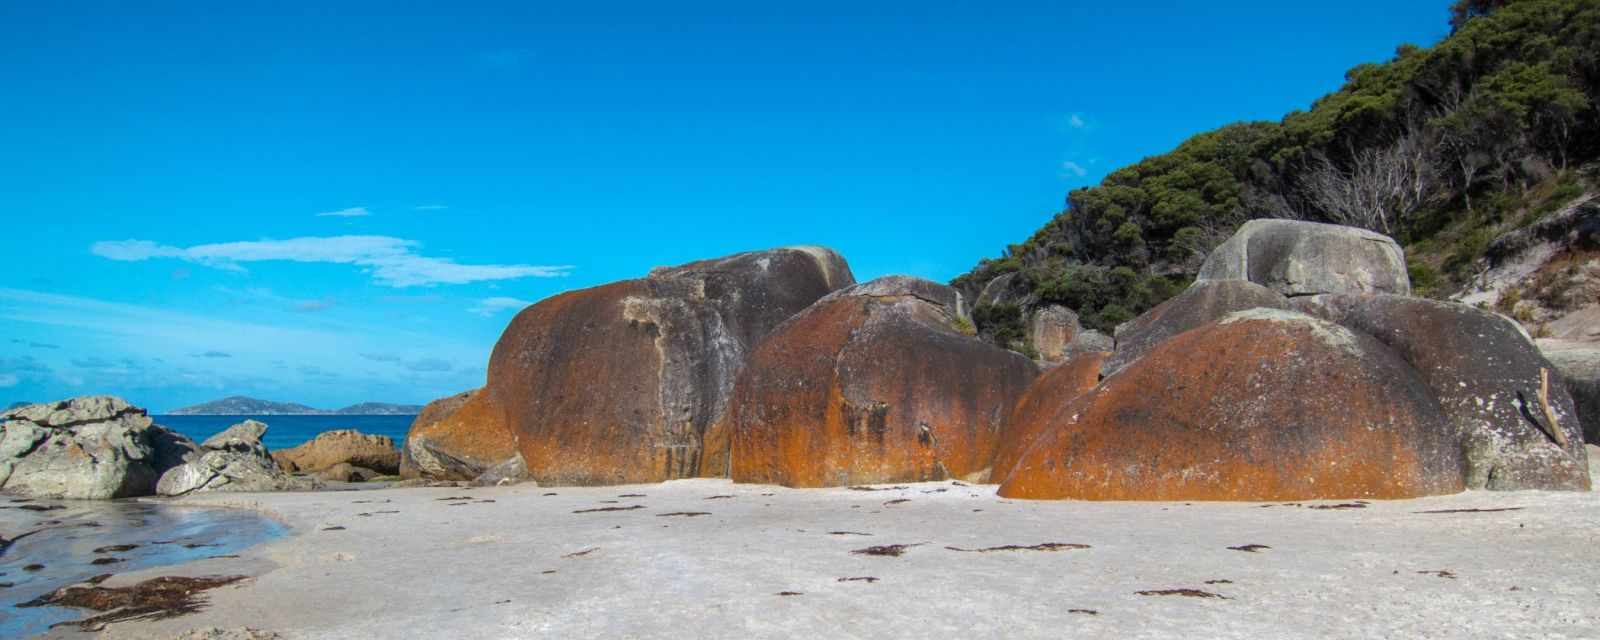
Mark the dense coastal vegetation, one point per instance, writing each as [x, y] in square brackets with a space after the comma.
[1444, 148]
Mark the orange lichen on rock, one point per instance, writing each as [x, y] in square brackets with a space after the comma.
[872, 385]
[1261, 405]
[1042, 403]
[619, 383]
[456, 438]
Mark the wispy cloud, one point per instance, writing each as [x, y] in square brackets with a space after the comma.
[213, 355]
[1074, 169]
[430, 207]
[393, 262]
[490, 306]
[1076, 121]
[315, 305]
[429, 365]
[352, 212]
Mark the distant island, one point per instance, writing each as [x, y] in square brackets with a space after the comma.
[244, 406]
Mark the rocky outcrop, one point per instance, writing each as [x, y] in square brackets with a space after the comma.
[874, 383]
[1579, 364]
[1055, 333]
[345, 472]
[234, 460]
[619, 383]
[1263, 404]
[512, 471]
[457, 438]
[1039, 409]
[331, 448]
[90, 448]
[1298, 258]
[1201, 303]
[1485, 373]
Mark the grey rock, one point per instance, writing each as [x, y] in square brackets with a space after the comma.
[92, 447]
[512, 471]
[1298, 258]
[1051, 329]
[1006, 289]
[1579, 364]
[1090, 340]
[346, 472]
[1200, 304]
[234, 460]
[1485, 373]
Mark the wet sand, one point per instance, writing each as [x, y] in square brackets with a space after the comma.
[711, 559]
[71, 540]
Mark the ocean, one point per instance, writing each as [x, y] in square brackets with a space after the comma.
[284, 432]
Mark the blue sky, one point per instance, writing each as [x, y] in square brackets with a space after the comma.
[338, 202]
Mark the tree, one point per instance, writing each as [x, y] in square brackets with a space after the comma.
[1382, 187]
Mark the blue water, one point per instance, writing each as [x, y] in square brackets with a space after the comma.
[284, 432]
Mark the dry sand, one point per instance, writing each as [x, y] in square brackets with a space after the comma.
[514, 562]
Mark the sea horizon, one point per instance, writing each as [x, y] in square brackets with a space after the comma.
[287, 430]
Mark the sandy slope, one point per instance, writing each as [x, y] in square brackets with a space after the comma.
[526, 565]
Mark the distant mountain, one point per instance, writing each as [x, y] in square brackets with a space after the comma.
[243, 406]
[380, 409]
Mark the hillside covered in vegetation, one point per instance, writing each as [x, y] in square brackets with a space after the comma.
[1444, 148]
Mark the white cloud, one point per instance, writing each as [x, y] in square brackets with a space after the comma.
[1076, 121]
[392, 262]
[1074, 168]
[490, 306]
[352, 212]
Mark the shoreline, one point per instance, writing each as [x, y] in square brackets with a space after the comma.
[628, 561]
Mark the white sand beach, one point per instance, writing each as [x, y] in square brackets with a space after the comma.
[518, 562]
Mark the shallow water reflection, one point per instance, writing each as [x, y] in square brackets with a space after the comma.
[49, 544]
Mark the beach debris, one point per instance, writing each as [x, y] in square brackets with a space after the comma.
[1359, 504]
[686, 514]
[790, 593]
[154, 599]
[1219, 581]
[1185, 592]
[105, 560]
[721, 497]
[896, 501]
[1250, 548]
[891, 550]
[1087, 612]
[1043, 546]
[579, 554]
[1440, 573]
[1471, 510]
[602, 509]
[867, 488]
[333, 528]
[867, 579]
[847, 533]
[631, 495]
[35, 567]
[116, 548]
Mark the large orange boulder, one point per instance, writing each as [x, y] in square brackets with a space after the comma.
[1263, 404]
[1041, 405]
[1486, 374]
[1201, 303]
[618, 383]
[457, 438]
[872, 384]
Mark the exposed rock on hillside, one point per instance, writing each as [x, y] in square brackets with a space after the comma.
[1298, 258]
[618, 383]
[92, 447]
[1262, 405]
[872, 384]
[1485, 373]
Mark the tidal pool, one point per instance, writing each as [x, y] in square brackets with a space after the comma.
[48, 544]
